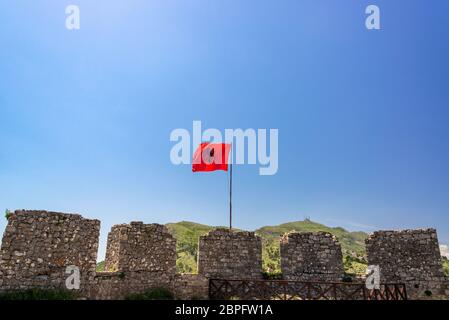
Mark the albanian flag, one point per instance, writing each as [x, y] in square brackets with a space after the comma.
[211, 157]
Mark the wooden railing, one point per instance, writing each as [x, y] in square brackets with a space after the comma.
[246, 289]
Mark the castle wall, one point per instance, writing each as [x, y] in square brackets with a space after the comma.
[191, 286]
[223, 253]
[120, 284]
[409, 256]
[138, 257]
[311, 256]
[141, 247]
[37, 247]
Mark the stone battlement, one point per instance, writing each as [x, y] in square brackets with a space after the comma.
[311, 256]
[410, 256]
[38, 246]
[140, 247]
[224, 253]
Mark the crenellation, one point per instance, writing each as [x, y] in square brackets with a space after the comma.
[38, 246]
[409, 256]
[224, 253]
[141, 247]
[311, 256]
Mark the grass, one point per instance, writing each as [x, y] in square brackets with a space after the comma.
[8, 214]
[153, 294]
[100, 266]
[38, 294]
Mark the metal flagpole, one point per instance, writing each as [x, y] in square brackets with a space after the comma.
[230, 197]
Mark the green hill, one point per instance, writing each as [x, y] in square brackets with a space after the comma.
[352, 243]
[187, 234]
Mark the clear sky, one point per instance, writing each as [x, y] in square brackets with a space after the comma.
[363, 116]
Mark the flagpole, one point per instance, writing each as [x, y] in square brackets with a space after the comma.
[230, 197]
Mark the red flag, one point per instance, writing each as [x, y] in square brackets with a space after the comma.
[211, 157]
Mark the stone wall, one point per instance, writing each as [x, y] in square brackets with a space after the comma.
[141, 247]
[120, 284]
[409, 256]
[223, 253]
[37, 247]
[191, 286]
[311, 256]
[138, 257]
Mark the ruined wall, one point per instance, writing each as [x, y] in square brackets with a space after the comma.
[138, 257]
[191, 286]
[223, 253]
[141, 247]
[37, 247]
[311, 256]
[120, 284]
[111, 261]
[409, 256]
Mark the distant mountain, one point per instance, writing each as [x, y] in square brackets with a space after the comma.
[350, 241]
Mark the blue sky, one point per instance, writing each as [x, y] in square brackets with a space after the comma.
[362, 115]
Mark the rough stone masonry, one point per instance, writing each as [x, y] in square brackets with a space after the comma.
[37, 247]
[409, 256]
[140, 257]
[141, 247]
[311, 256]
[224, 253]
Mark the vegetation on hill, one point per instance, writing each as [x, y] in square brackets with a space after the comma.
[187, 235]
